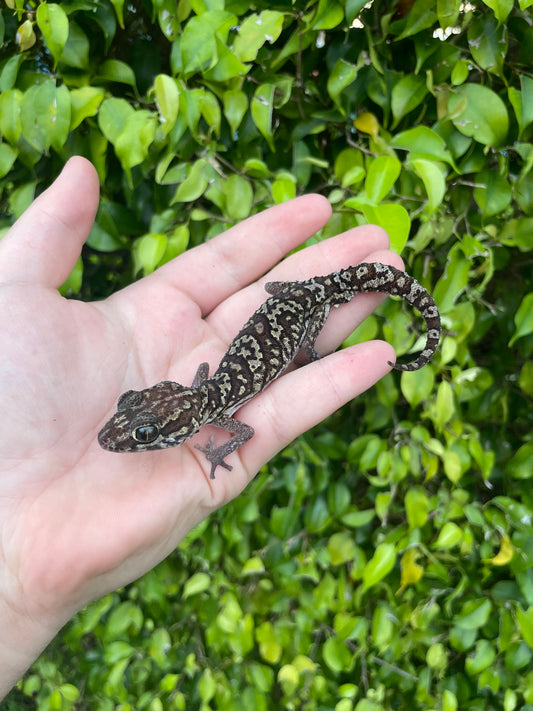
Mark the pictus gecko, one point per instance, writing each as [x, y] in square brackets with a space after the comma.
[283, 328]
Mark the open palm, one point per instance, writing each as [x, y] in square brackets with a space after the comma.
[77, 521]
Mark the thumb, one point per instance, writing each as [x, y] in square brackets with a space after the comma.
[44, 243]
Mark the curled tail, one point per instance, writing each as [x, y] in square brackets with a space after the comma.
[389, 280]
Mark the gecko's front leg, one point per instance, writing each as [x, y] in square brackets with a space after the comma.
[241, 433]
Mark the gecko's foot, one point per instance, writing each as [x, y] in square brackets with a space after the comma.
[214, 456]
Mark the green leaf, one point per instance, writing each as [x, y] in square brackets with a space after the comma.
[382, 626]
[393, 218]
[478, 112]
[417, 386]
[525, 623]
[474, 614]
[432, 175]
[488, 43]
[454, 280]
[7, 158]
[194, 184]
[482, 657]
[283, 188]
[341, 547]
[76, 50]
[118, 6]
[522, 102]
[227, 66]
[328, 15]
[352, 9]
[448, 12]
[460, 72]
[210, 110]
[349, 167]
[341, 76]
[84, 102]
[492, 192]
[196, 584]
[261, 109]
[379, 566]
[239, 197]
[113, 70]
[444, 405]
[381, 176]
[112, 117]
[10, 109]
[148, 251]
[53, 23]
[235, 105]
[421, 16]
[423, 142]
[133, 143]
[520, 465]
[406, 95]
[255, 31]
[449, 536]
[523, 319]
[416, 507]
[45, 116]
[118, 651]
[167, 99]
[337, 656]
[501, 8]
[198, 40]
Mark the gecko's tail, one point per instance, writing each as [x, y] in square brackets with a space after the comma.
[389, 280]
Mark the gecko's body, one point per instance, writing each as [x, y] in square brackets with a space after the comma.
[285, 326]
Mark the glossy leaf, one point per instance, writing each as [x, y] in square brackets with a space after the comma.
[449, 536]
[523, 319]
[474, 614]
[85, 102]
[255, 31]
[261, 110]
[416, 507]
[492, 193]
[235, 107]
[433, 178]
[342, 75]
[381, 176]
[406, 95]
[477, 111]
[167, 100]
[53, 23]
[379, 565]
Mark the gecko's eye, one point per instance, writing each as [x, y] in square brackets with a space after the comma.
[145, 433]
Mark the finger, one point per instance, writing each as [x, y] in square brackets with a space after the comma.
[45, 242]
[214, 270]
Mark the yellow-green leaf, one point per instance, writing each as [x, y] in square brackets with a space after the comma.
[53, 23]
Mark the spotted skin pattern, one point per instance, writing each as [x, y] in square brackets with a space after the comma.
[283, 329]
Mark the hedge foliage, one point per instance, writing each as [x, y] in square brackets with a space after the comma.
[384, 561]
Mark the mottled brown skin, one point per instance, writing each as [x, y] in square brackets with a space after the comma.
[284, 327]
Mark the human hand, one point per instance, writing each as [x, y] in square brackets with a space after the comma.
[77, 521]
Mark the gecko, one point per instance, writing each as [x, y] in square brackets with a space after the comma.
[283, 330]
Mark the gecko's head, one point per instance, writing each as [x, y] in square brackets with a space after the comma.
[162, 416]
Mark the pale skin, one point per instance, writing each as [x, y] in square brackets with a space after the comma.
[76, 521]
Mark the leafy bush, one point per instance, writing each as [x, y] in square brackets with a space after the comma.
[384, 561]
